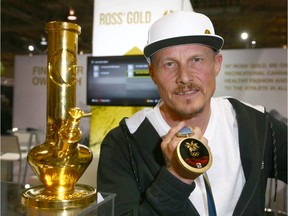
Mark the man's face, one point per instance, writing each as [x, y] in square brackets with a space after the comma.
[186, 76]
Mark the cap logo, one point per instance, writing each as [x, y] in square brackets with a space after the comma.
[207, 31]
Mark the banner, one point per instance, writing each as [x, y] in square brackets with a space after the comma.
[256, 76]
[121, 26]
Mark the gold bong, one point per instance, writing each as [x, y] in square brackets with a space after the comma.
[60, 161]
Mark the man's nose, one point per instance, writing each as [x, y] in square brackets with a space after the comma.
[184, 75]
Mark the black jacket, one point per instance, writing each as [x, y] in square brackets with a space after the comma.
[132, 166]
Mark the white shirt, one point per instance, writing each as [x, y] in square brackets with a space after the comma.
[226, 174]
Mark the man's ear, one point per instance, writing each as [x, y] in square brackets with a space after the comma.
[152, 73]
[218, 63]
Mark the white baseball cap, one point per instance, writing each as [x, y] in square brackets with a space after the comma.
[181, 27]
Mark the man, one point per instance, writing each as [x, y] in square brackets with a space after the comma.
[138, 160]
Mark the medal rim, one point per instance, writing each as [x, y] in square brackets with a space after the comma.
[188, 167]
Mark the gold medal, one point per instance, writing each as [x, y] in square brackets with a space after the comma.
[193, 155]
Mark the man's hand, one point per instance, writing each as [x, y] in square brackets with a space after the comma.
[169, 146]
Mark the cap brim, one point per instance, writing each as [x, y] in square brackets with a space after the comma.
[214, 42]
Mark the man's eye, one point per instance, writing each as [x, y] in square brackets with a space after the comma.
[197, 59]
[169, 64]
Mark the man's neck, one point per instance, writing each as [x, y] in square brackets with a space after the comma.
[200, 119]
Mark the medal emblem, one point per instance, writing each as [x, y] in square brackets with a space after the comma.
[192, 154]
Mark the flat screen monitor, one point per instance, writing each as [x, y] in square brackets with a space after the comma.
[120, 81]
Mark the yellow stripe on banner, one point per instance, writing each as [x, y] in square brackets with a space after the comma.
[104, 118]
[134, 51]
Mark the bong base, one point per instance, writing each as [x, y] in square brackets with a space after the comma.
[34, 199]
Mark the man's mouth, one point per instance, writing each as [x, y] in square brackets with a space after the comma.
[188, 92]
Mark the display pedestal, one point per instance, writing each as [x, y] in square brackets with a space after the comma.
[11, 204]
